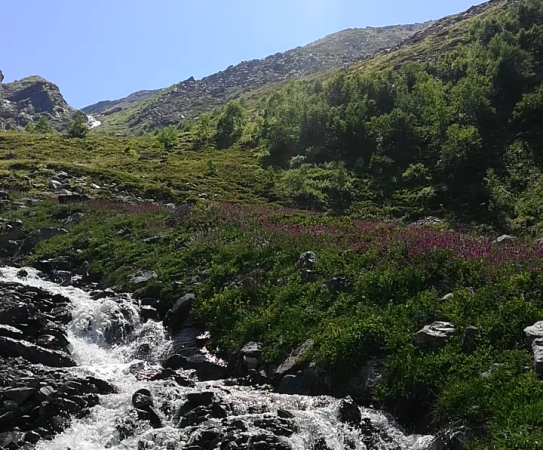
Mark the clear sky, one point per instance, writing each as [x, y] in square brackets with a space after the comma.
[106, 49]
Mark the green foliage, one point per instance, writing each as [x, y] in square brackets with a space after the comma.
[43, 126]
[230, 125]
[30, 128]
[211, 169]
[456, 116]
[203, 132]
[78, 127]
[167, 138]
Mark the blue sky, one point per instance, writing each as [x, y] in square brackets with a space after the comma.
[106, 49]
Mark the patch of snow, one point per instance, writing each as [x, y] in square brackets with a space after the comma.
[93, 122]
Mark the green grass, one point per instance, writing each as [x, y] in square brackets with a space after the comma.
[136, 164]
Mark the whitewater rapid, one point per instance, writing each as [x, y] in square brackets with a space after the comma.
[316, 417]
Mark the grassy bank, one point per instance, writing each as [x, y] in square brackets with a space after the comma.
[393, 281]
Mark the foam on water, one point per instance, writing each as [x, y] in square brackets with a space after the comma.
[316, 417]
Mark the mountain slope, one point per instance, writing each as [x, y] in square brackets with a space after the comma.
[191, 97]
[23, 101]
[107, 107]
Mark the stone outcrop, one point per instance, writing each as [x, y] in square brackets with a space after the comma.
[24, 101]
[435, 335]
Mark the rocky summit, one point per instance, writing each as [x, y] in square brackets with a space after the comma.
[22, 102]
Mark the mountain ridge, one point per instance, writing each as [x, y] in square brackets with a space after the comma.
[191, 97]
[319, 45]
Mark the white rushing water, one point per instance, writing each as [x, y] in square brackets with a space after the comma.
[315, 417]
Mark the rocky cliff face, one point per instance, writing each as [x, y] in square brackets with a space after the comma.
[192, 97]
[24, 101]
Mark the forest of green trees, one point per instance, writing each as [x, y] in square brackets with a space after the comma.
[459, 134]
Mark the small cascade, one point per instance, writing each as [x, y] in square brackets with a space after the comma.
[109, 341]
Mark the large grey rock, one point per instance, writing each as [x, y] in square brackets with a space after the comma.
[180, 312]
[25, 100]
[18, 395]
[251, 355]
[306, 261]
[434, 335]
[252, 349]
[469, 338]
[37, 355]
[362, 384]
[533, 332]
[142, 277]
[15, 234]
[55, 185]
[74, 219]
[504, 239]
[537, 352]
[295, 361]
[43, 234]
[182, 211]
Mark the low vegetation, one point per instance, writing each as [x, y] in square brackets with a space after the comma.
[373, 286]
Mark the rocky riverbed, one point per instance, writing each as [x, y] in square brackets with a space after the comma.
[85, 369]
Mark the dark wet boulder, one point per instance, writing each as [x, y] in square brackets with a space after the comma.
[11, 439]
[43, 234]
[295, 361]
[349, 412]
[34, 354]
[201, 398]
[71, 198]
[149, 313]
[295, 385]
[121, 319]
[10, 332]
[309, 381]
[19, 395]
[58, 263]
[10, 236]
[180, 312]
[103, 387]
[206, 369]
[142, 399]
[143, 402]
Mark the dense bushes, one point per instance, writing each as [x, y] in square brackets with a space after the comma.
[453, 118]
